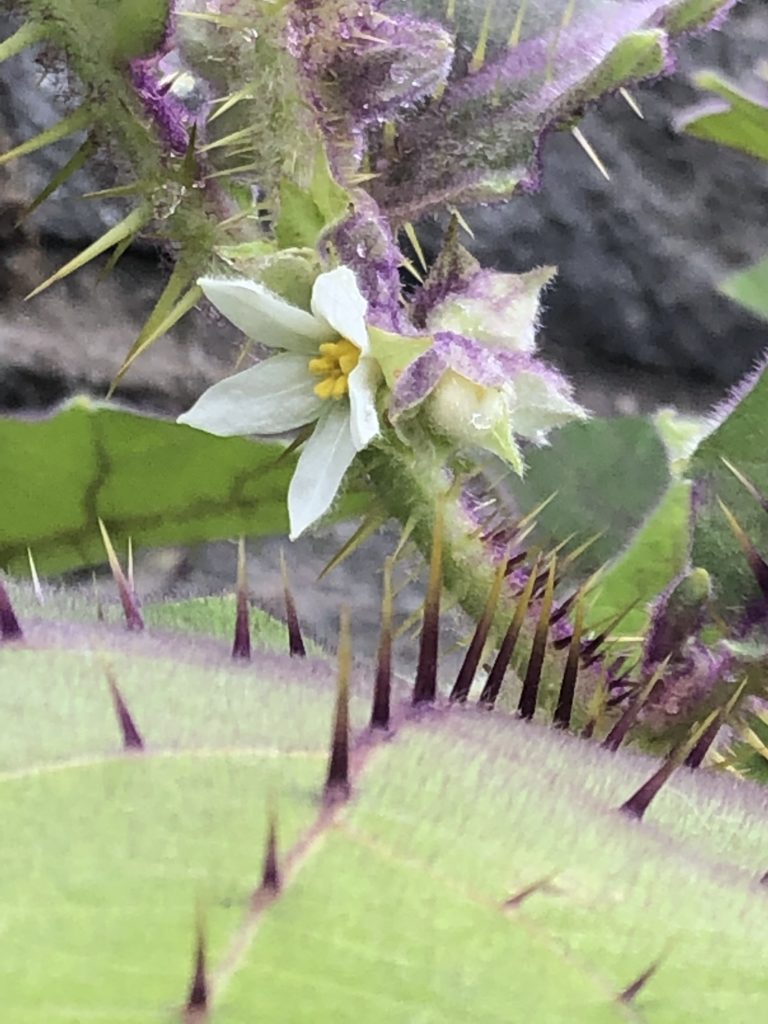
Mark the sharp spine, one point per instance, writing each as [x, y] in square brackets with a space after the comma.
[337, 786]
[296, 647]
[198, 997]
[425, 685]
[564, 708]
[618, 733]
[469, 666]
[382, 690]
[526, 707]
[9, 624]
[132, 738]
[641, 799]
[133, 619]
[508, 643]
[270, 876]
[241, 646]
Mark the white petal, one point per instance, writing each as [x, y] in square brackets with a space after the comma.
[271, 397]
[337, 300]
[324, 460]
[363, 418]
[264, 316]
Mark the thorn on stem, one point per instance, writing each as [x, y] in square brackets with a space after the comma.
[425, 685]
[641, 799]
[564, 709]
[701, 748]
[133, 619]
[632, 990]
[296, 647]
[382, 689]
[241, 646]
[529, 694]
[9, 624]
[507, 648]
[197, 999]
[36, 587]
[337, 785]
[468, 669]
[270, 875]
[132, 738]
[756, 562]
[618, 733]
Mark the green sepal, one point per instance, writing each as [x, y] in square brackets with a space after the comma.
[394, 352]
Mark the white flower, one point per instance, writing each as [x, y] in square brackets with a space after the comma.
[324, 373]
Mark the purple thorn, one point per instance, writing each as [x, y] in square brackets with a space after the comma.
[468, 669]
[507, 649]
[9, 624]
[564, 709]
[270, 876]
[628, 994]
[382, 689]
[425, 685]
[132, 738]
[296, 647]
[197, 1000]
[529, 694]
[241, 647]
[337, 785]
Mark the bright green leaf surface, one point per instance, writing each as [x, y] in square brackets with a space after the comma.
[156, 481]
[393, 908]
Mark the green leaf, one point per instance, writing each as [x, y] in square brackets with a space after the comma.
[525, 889]
[149, 479]
[742, 439]
[654, 556]
[741, 122]
[608, 475]
[749, 288]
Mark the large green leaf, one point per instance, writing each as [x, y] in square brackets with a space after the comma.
[149, 479]
[608, 475]
[742, 439]
[395, 905]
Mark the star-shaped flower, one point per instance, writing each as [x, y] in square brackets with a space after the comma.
[324, 373]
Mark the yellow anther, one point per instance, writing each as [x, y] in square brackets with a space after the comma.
[336, 361]
[340, 387]
[324, 389]
[321, 366]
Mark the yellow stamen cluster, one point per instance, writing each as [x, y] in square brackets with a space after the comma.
[336, 361]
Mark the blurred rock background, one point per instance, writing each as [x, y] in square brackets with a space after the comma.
[635, 317]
